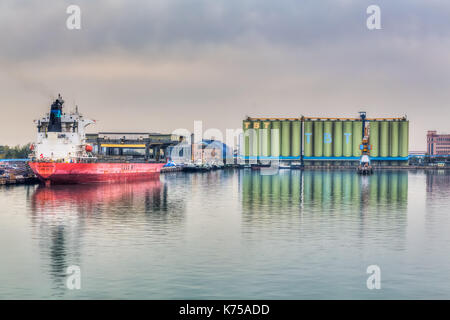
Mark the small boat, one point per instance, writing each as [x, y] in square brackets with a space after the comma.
[364, 167]
[189, 167]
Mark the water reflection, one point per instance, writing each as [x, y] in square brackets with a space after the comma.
[438, 183]
[61, 215]
[437, 200]
[330, 200]
[325, 189]
[86, 199]
[308, 234]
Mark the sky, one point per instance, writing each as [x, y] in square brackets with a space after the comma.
[159, 65]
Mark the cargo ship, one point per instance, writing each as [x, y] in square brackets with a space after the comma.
[62, 156]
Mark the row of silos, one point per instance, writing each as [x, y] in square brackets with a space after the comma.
[389, 138]
[332, 138]
[272, 138]
[324, 138]
[342, 138]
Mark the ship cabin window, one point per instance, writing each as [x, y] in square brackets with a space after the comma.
[67, 127]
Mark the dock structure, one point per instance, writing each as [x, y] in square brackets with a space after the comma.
[13, 179]
[138, 145]
[16, 171]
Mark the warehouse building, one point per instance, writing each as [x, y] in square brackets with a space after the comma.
[133, 145]
[438, 144]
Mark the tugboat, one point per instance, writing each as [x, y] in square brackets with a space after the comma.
[364, 165]
[61, 154]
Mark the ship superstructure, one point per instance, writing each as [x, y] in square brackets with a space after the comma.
[61, 136]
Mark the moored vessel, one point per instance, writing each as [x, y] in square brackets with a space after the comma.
[61, 154]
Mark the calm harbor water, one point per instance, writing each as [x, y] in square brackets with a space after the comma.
[230, 234]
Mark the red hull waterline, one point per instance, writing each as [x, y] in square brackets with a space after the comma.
[72, 173]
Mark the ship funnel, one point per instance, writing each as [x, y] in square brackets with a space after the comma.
[55, 115]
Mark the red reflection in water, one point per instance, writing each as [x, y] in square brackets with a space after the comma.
[45, 199]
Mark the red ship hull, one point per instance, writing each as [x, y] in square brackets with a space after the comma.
[72, 173]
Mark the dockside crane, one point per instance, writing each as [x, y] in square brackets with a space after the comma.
[365, 166]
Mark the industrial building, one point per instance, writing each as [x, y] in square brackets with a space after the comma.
[205, 151]
[134, 145]
[311, 140]
[156, 147]
[438, 144]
